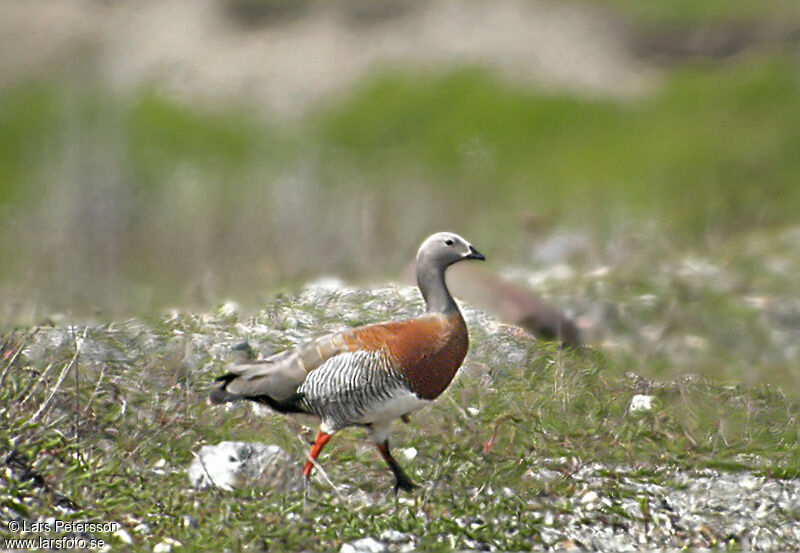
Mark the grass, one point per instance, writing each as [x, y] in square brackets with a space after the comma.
[143, 194]
[710, 12]
[687, 155]
[127, 204]
[109, 425]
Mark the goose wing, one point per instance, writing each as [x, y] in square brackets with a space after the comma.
[277, 378]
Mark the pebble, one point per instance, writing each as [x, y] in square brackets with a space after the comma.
[641, 403]
[364, 545]
[410, 453]
[123, 536]
[166, 545]
[189, 521]
[143, 529]
[395, 536]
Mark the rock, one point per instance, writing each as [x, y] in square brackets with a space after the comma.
[641, 403]
[230, 309]
[543, 474]
[229, 465]
[160, 467]
[394, 536]
[589, 497]
[364, 545]
[123, 536]
[143, 529]
[188, 521]
[410, 453]
[166, 545]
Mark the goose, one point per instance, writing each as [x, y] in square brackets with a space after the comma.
[370, 375]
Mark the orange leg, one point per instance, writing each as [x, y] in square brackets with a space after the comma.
[321, 439]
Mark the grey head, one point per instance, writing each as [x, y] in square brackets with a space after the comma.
[435, 255]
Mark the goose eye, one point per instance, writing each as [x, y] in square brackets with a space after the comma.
[448, 242]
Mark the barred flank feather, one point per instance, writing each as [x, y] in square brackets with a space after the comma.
[348, 386]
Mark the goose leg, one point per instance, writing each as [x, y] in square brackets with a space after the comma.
[379, 434]
[319, 442]
[402, 482]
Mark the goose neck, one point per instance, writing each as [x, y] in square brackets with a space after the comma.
[432, 284]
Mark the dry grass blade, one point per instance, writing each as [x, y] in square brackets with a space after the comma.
[36, 384]
[14, 357]
[60, 381]
[322, 472]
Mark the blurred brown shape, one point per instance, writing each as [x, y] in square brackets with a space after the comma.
[510, 302]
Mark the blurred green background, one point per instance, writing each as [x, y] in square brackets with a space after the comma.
[162, 154]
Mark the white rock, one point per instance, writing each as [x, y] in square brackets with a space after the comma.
[394, 536]
[641, 403]
[229, 465]
[599, 272]
[542, 474]
[364, 545]
[409, 453]
[229, 309]
[160, 467]
[327, 284]
[188, 521]
[143, 528]
[589, 497]
[122, 535]
[166, 545]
